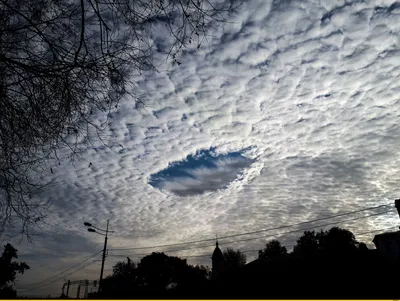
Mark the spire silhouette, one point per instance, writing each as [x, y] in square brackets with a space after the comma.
[217, 260]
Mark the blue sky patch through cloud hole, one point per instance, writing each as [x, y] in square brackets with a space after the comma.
[202, 172]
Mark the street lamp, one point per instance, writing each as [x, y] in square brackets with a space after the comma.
[104, 233]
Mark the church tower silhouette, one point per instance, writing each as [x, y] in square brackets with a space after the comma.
[218, 262]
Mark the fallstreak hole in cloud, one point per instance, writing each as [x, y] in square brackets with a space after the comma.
[202, 172]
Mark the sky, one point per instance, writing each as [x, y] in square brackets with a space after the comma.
[286, 114]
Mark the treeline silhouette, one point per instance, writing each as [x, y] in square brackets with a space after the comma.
[9, 268]
[324, 264]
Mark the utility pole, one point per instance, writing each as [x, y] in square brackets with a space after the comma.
[62, 291]
[104, 258]
[78, 293]
[69, 282]
[86, 289]
[104, 233]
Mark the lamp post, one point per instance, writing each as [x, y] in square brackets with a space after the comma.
[104, 233]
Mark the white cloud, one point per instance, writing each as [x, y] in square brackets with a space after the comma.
[312, 88]
[198, 180]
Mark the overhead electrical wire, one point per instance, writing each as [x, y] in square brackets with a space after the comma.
[264, 236]
[189, 256]
[56, 280]
[252, 232]
[70, 268]
[290, 246]
[45, 282]
[313, 227]
[61, 278]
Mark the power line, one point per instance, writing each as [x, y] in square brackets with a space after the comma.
[66, 269]
[253, 232]
[231, 242]
[311, 228]
[258, 237]
[68, 274]
[56, 280]
[379, 230]
[289, 246]
[227, 236]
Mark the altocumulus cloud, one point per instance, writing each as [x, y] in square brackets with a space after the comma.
[309, 89]
[201, 173]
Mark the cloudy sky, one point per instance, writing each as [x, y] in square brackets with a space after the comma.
[288, 113]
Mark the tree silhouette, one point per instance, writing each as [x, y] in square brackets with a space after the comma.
[158, 270]
[8, 271]
[123, 281]
[125, 269]
[334, 241]
[62, 63]
[156, 275]
[272, 249]
[234, 260]
[362, 247]
[194, 281]
[307, 244]
[337, 241]
[329, 260]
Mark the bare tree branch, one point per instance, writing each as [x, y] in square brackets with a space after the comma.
[61, 63]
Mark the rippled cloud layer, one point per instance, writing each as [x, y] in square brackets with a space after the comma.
[310, 91]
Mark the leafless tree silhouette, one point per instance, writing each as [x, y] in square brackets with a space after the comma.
[63, 61]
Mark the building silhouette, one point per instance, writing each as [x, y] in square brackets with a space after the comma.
[388, 245]
[218, 262]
